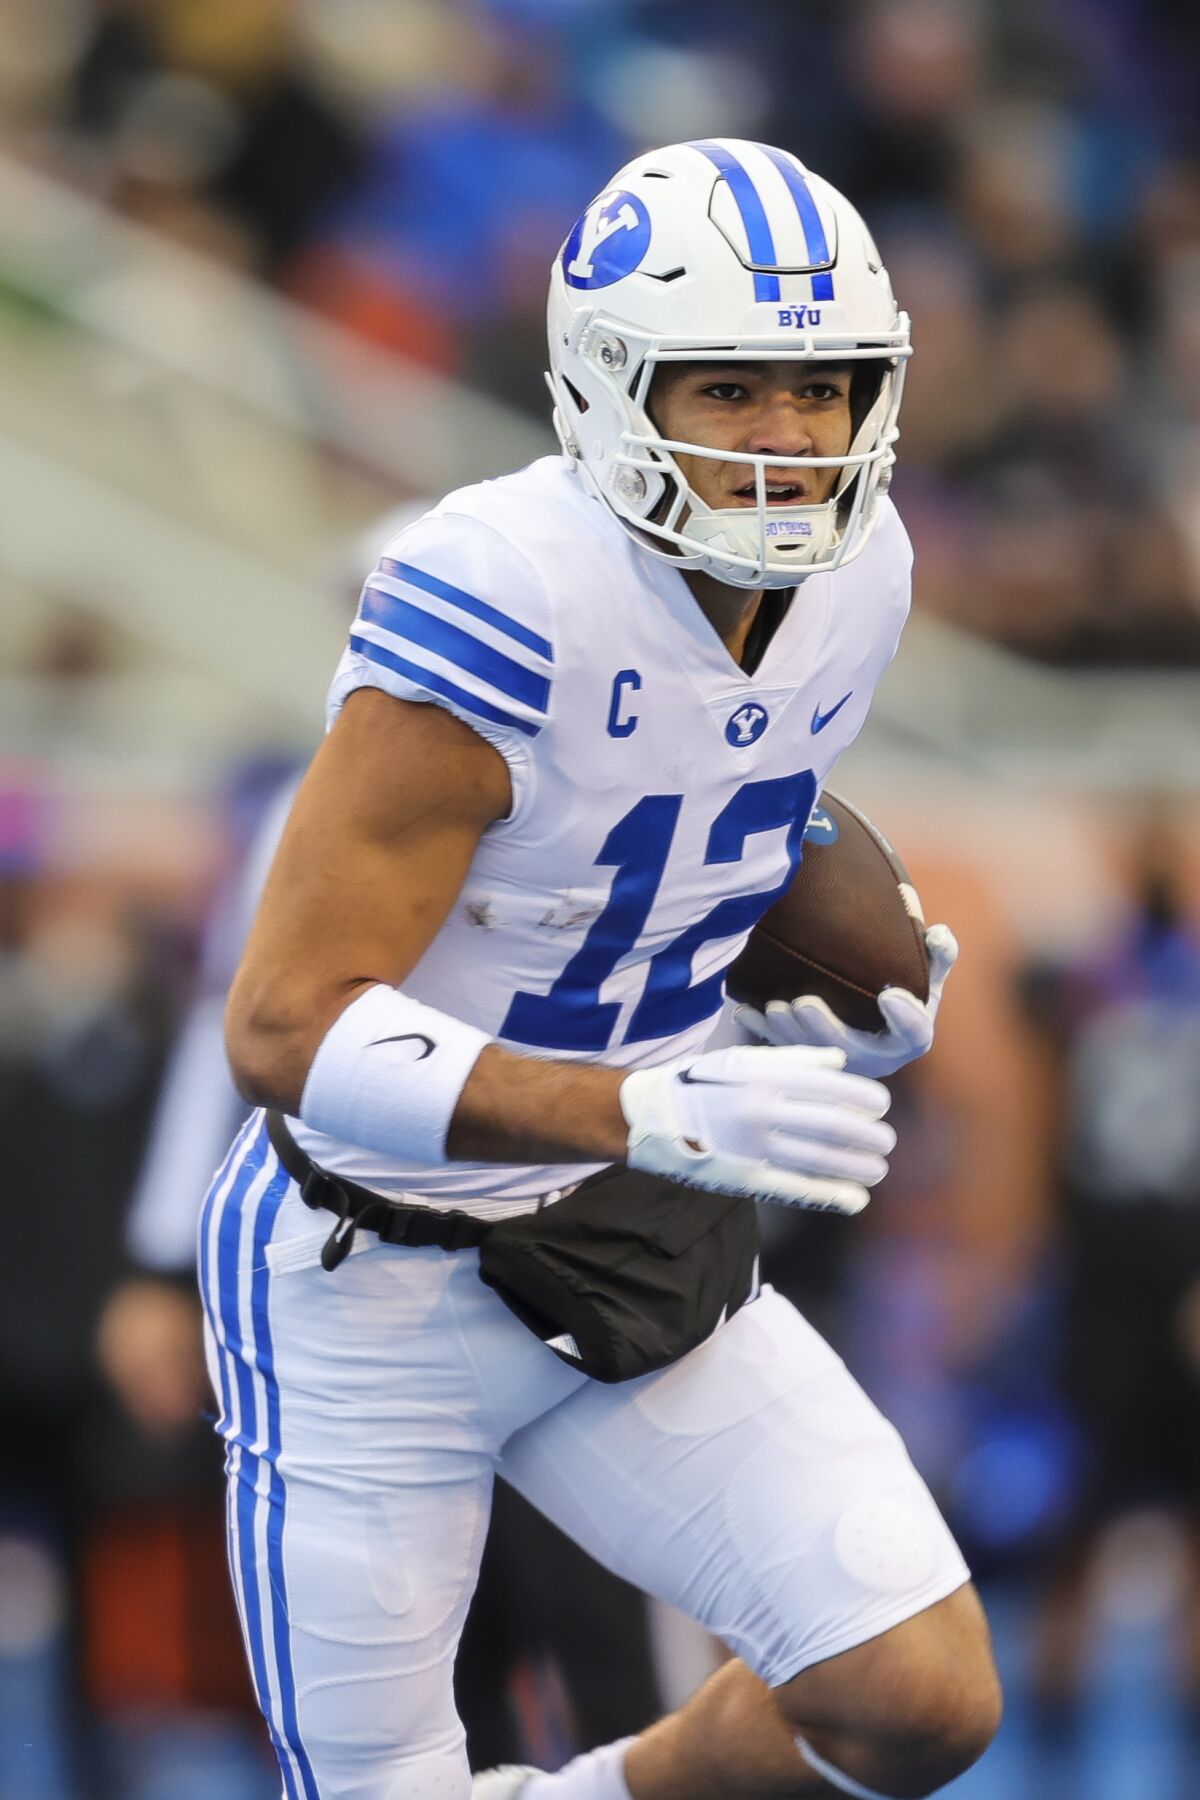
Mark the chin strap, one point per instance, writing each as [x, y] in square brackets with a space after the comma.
[845, 1784]
[811, 532]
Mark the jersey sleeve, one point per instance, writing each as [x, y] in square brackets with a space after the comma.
[454, 614]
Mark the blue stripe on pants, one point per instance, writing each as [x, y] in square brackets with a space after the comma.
[204, 1260]
[243, 1469]
[238, 1362]
[212, 1307]
[276, 1493]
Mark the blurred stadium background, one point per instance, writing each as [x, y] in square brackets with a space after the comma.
[271, 269]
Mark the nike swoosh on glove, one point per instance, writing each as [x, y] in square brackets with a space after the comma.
[909, 1021]
[788, 1125]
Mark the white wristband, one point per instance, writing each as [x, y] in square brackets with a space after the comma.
[387, 1076]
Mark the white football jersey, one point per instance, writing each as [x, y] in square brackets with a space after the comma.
[660, 793]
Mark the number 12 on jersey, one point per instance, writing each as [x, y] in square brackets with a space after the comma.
[572, 1016]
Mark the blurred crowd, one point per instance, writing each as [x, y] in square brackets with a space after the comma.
[1032, 173]
[1024, 1295]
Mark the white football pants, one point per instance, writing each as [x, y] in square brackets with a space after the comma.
[364, 1412]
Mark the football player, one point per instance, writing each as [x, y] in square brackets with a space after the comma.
[573, 743]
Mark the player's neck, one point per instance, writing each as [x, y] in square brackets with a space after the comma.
[729, 610]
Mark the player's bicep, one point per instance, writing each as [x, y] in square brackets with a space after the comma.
[375, 851]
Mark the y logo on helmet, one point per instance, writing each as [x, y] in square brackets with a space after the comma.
[608, 241]
[747, 725]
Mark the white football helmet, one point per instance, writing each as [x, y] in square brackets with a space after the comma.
[722, 251]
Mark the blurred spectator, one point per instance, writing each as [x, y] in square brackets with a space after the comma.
[463, 200]
[915, 69]
[1032, 175]
[207, 98]
[1124, 1028]
[84, 1008]
[1079, 559]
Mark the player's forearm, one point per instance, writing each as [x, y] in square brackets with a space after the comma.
[410, 1082]
[525, 1109]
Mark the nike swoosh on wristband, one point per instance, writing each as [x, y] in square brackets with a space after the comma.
[820, 720]
[408, 1037]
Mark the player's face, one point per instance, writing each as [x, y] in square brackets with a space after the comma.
[768, 408]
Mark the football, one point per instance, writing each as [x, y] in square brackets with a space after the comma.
[849, 925]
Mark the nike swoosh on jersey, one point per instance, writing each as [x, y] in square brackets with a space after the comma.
[409, 1037]
[821, 719]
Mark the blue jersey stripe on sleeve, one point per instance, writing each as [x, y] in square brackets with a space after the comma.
[491, 615]
[437, 684]
[431, 632]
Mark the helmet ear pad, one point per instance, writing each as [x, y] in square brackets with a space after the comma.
[598, 412]
[673, 490]
[871, 389]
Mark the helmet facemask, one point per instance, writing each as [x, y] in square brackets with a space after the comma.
[769, 544]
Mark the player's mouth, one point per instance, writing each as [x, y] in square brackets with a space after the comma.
[779, 493]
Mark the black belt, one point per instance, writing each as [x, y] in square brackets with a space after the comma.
[418, 1227]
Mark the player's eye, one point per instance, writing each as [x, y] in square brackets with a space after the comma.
[724, 390]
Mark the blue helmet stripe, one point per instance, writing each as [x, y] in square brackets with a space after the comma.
[754, 217]
[810, 219]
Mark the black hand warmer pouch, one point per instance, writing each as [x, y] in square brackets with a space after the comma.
[627, 1273]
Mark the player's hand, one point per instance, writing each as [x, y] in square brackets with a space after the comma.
[788, 1125]
[910, 1022]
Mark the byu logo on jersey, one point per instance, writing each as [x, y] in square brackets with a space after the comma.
[747, 725]
[608, 241]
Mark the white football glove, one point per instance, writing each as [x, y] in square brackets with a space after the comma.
[787, 1125]
[910, 1021]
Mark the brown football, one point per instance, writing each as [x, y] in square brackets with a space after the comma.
[849, 925]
